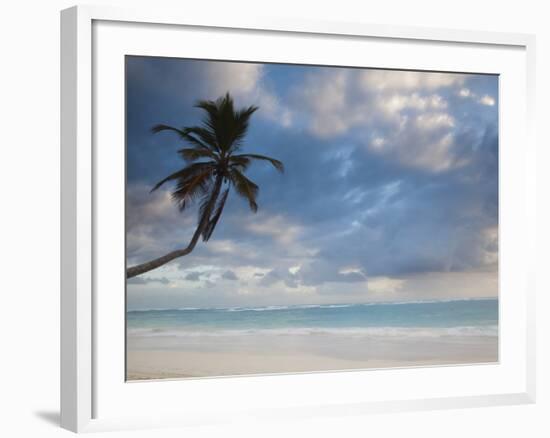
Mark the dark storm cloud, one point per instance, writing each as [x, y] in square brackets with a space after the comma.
[193, 276]
[230, 275]
[147, 280]
[276, 275]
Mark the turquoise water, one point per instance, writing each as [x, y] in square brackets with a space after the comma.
[470, 317]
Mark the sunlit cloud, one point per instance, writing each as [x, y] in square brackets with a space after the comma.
[487, 100]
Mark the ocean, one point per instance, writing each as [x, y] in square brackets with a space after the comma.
[467, 317]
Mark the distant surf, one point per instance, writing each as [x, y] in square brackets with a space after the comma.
[349, 332]
[430, 318]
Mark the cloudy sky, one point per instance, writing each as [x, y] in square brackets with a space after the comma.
[390, 190]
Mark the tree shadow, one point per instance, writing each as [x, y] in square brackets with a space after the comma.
[51, 417]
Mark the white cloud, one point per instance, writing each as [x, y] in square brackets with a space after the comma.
[223, 246]
[437, 156]
[487, 100]
[393, 104]
[246, 83]
[237, 77]
[395, 80]
[402, 115]
[490, 246]
[483, 100]
[294, 269]
[278, 227]
[324, 96]
[427, 142]
[434, 121]
[378, 142]
[153, 223]
[385, 285]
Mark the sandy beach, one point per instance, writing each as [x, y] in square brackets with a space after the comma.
[280, 354]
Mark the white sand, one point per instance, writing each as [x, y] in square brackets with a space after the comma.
[268, 355]
[173, 364]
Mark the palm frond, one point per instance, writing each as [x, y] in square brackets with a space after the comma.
[240, 127]
[207, 137]
[210, 106]
[210, 121]
[241, 163]
[276, 163]
[185, 173]
[205, 141]
[245, 188]
[200, 143]
[187, 190]
[158, 128]
[228, 125]
[194, 154]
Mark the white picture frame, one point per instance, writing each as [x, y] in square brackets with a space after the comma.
[85, 375]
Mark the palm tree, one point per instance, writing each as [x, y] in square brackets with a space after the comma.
[214, 166]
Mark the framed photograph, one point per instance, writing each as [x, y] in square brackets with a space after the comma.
[276, 219]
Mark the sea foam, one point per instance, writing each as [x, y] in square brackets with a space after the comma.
[374, 332]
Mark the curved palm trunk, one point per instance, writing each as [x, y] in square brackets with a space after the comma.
[153, 264]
